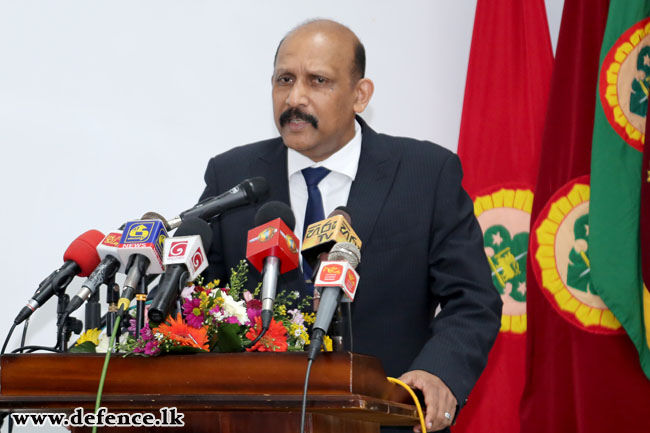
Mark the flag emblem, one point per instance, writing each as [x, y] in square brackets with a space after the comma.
[504, 216]
[560, 247]
[624, 83]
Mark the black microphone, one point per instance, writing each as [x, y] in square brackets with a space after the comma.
[80, 259]
[249, 191]
[184, 259]
[331, 295]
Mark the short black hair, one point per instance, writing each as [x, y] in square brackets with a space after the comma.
[358, 65]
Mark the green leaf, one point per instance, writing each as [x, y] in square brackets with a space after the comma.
[229, 338]
[185, 349]
[85, 347]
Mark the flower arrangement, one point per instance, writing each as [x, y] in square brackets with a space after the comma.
[217, 319]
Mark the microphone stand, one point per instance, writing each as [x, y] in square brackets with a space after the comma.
[141, 301]
[112, 296]
[93, 313]
[67, 324]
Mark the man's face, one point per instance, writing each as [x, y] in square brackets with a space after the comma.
[313, 94]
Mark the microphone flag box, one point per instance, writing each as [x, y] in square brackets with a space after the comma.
[188, 251]
[276, 239]
[321, 236]
[145, 237]
[338, 274]
[109, 246]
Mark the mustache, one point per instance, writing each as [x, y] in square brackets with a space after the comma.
[295, 113]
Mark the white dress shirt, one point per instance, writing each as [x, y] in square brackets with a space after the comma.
[334, 188]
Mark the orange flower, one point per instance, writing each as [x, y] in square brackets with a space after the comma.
[275, 339]
[180, 332]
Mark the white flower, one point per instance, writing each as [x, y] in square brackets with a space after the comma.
[102, 345]
[234, 308]
[104, 340]
[187, 292]
[218, 315]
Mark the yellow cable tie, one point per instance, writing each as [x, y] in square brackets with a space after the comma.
[415, 399]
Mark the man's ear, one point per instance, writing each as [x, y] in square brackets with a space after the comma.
[363, 91]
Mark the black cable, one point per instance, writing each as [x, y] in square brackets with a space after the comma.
[258, 338]
[349, 320]
[304, 397]
[11, 331]
[34, 348]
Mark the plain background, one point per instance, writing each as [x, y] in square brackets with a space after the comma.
[112, 109]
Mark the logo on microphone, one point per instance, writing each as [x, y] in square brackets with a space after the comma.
[291, 243]
[161, 240]
[112, 239]
[139, 232]
[177, 249]
[351, 282]
[266, 234]
[197, 259]
[331, 272]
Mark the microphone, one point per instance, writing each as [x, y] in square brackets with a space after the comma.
[110, 264]
[155, 216]
[184, 259]
[321, 236]
[140, 247]
[249, 191]
[79, 259]
[336, 276]
[272, 249]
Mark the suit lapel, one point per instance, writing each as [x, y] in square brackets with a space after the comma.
[272, 165]
[375, 175]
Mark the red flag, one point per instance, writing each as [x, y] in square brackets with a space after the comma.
[503, 116]
[582, 371]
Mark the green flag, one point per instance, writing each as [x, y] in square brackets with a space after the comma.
[619, 136]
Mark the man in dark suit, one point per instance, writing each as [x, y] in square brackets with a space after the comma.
[422, 246]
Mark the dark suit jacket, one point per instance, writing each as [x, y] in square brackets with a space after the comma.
[422, 248]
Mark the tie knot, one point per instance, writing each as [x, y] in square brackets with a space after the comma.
[314, 175]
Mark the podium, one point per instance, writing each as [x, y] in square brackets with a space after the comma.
[223, 393]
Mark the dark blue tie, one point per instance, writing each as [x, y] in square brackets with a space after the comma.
[314, 211]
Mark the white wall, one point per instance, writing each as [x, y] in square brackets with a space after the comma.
[111, 109]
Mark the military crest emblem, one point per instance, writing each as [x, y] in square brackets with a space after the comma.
[504, 216]
[624, 84]
[560, 249]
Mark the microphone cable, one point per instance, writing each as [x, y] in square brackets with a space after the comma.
[303, 409]
[11, 331]
[415, 399]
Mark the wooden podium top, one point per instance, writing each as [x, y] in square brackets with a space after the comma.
[341, 383]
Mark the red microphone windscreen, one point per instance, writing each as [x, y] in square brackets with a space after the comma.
[83, 251]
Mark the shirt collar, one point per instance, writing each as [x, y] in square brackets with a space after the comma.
[345, 161]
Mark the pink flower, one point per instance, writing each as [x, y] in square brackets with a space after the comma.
[296, 316]
[253, 309]
[152, 348]
[232, 319]
[192, 312]
[132, 326]
[248, 296]
[145, 333]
